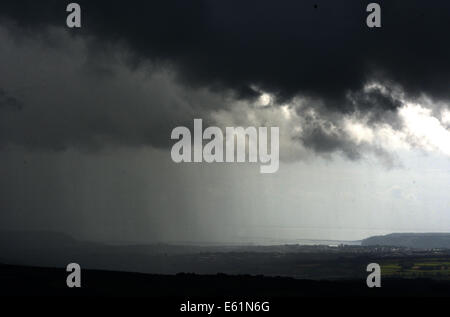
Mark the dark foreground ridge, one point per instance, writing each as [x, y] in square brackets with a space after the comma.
[32, 281]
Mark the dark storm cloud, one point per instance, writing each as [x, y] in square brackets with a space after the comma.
[323, 141]
[325, 138]
[321, 50]
[374, 99]
[137, 69]
[382, 103]
[8, 102]
[284, 47]
[55, 95]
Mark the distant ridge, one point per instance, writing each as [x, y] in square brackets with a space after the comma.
[36, 239]
[411, 240]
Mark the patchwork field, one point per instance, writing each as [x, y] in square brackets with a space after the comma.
[417, 268]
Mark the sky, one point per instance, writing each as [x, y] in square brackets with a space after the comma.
[86, 117]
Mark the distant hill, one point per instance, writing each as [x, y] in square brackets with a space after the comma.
[411, 240]
[36, 239]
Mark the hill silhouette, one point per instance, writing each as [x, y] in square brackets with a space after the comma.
[411, 240]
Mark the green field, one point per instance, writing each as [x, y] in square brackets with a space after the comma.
[414, 268]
